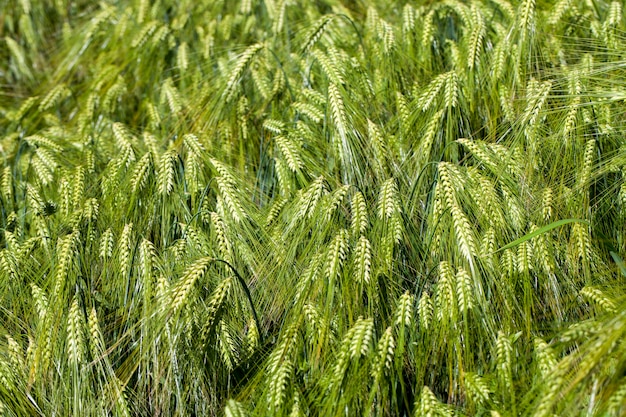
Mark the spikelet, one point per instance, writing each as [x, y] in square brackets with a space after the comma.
[444, 295]
[65, 256]
[409, 17]
[404, 113]
[106, 244]
[336, 254]
[388, 36]
[146, 32]
[34, 198]
[216, 303]
[316, 31]
[242, 63]
[384, 354]
[504, 358]
[428, 29]
[464, 233]
[227, 346]
[278, 384]
[171, 96]
[477, 388]
[311, 197]
[7, 184]
[427, 99]
[363, 260]
[42, 171]
[429, 405]
[524, 256]
[166, 173]
[358, 210]
[580, 244]
[148, 260]
[361, 337]
[338, 111]
[585, 175]
[464, 291]
[432, 128]
[404, 310]
[125, 250]
[113, 95]
[8, 263]
[505, 102]
[388, 201]
[546, 204]
[234, 408]
[16, 356]
[182, 57]
[275, 210]
[141, 172]
[273, 125]
[252, 337]
[378, 143]
[314, 96]
[56, 94]
[261, 82]
[476, 37]
[123, 140]
[334, 200]
[75, 338]
[527, 16]
[290, 151]
[309, 110]
[617, 400]
[223, 242]
[546, 360]
[193, 273]
[231, 199]
[599, 298]
[425, 311]
[538, 94]
[40, 299]
[193, 145]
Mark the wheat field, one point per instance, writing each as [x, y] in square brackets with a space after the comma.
[292, 208]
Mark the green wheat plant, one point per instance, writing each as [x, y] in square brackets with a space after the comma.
[289, 208]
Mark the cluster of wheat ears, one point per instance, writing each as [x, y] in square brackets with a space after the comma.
[281, 207]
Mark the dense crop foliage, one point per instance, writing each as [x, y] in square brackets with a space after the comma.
[312, 208]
